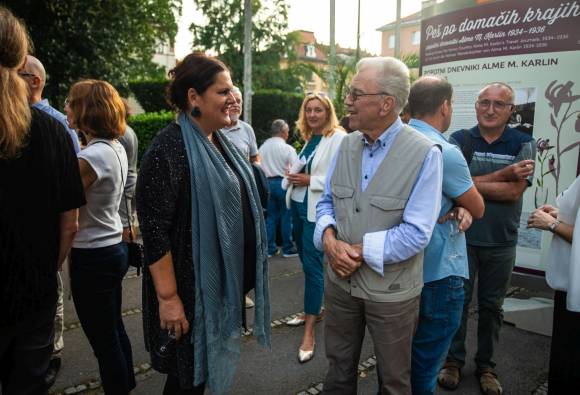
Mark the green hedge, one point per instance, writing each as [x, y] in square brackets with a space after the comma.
[268, 105]
[150, 94]
[147, 125]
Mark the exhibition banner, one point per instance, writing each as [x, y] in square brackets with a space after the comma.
[533, 46]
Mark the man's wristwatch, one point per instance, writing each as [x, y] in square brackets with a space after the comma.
[552, 227]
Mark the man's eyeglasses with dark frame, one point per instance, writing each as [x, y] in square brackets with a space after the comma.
[498, 105]
[24, 74]
[355, 95]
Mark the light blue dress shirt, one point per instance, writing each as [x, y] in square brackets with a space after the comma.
[421, 212]
[446, 254]
[43, 105]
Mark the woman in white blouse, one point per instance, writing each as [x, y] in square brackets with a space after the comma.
[563, 275]
[99, 255]
[320, 129]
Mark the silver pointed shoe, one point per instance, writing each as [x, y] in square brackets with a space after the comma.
[296, 321]
[305, 356]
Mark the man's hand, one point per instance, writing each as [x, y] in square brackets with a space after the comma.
[518, 171]
[463, 217]
[344, 258]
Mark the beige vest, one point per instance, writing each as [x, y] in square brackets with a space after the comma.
[380, 207]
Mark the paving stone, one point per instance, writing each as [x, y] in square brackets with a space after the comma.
[320, 386]
[70, 391]
[94, 384]
[313, 391]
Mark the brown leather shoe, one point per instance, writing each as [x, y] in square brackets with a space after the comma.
[450, 375]
[488, 382]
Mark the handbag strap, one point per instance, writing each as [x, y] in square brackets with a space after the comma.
[123, 183]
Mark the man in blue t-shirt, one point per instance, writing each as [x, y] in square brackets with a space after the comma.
[501, 162]
[445, 264]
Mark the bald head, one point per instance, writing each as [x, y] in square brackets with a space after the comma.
[35, 76]
[500, 86]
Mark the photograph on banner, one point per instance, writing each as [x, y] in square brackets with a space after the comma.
[534, 47]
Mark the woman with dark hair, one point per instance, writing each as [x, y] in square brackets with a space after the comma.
[40, 193]
[204, 236]
[99, 256]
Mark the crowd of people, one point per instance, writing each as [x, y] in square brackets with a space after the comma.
[392, 222]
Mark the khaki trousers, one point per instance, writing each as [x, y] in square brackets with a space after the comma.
[391, 326]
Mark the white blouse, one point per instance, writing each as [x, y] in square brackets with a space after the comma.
[564, 258]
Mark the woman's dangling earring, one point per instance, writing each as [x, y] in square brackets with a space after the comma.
[196, 112]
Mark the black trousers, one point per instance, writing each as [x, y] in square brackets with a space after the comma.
[96, 278]
[564, 376]
[25, 350]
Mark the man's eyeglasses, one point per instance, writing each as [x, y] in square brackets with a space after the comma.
[498, 105]
[354, 95]
[24, 75]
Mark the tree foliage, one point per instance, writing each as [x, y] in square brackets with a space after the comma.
[113, 40]
[223, 34]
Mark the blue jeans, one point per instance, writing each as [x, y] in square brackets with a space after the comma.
[96, 276]
[493, 267]
[311, 258]
[439, 318]
[277, 211]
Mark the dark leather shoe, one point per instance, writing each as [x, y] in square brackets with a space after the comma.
[52, 372]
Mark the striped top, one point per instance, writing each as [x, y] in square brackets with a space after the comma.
[499, 225]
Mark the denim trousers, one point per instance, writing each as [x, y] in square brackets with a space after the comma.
[278, 213]
[439, 318]
[493, 268]
[96, 285]
[311, 258]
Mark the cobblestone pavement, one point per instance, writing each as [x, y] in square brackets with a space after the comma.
[522, 357]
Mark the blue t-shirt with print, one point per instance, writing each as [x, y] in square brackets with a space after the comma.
[500, 222]
[446, 253]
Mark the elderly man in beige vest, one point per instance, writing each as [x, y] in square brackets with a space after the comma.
[376, 216]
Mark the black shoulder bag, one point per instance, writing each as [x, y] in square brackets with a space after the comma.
[135, 249]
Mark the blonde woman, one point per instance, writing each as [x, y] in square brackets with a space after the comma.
[320, 129]
[40, 192]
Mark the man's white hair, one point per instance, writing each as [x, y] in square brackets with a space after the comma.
[235, 89]
[392, 77]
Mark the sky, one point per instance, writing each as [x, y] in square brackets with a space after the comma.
[313, 15]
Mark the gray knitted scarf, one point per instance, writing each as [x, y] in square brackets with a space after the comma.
[217, 248]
